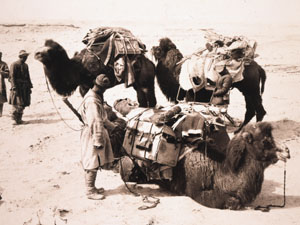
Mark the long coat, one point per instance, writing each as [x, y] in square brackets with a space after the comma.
[20, 84]
[221, 93]
[94, 134]
[4, 72]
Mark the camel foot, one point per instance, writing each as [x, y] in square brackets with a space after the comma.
[233, 203]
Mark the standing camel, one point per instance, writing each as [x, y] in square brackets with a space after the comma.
[66, 74]
[168, 69]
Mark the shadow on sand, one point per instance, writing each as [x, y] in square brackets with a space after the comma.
[38, 115]
[267, 196]
[141, 189]
[41, 121]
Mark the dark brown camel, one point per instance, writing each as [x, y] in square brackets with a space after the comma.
[225, 176]
[66, 74]
[167, 72]
[235, 180]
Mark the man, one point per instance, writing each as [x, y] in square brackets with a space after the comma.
[4, 72]
[20, 87]
[96, 149]
[223, 85]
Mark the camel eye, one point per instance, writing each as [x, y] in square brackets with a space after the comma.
[268, 142]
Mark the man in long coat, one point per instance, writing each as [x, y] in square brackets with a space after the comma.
[96, 149]
[223, 85]
[20, 87]
[4, 72]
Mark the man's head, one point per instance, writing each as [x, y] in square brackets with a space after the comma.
[101, 83]
[23, 55]
[0, 55]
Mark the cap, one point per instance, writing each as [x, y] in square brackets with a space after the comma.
[102, 81]
[23, 53]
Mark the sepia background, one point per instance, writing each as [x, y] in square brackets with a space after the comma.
[41, 179]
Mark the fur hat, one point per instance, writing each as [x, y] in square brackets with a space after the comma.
[23, 53]
[102, 81]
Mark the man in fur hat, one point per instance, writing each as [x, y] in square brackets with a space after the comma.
[96, 149]
[20, 87]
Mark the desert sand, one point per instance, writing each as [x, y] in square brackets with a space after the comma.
[41, 179]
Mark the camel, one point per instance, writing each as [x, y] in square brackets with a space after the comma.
[66, 74]
[228, 177]
[167, 72]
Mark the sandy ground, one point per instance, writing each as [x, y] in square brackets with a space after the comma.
[41, 179]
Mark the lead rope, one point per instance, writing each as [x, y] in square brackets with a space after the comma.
[267, 208]
[57, 108]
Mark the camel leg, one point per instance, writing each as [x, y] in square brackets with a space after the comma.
[150, 95]
[141, 97]
[190, 96]
[259, 109]
[250, 112]
[216, 199]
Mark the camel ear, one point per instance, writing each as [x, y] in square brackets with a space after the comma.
[235, 152]
[247, 137]
[209, 47]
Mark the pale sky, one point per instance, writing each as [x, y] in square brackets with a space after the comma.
[269, 11]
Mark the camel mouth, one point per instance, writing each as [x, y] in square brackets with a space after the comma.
[41, 53]
[283, 154]
[38, 56]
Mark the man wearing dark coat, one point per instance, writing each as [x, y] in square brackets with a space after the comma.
[221, 95]
[20, 87]
[4, 72]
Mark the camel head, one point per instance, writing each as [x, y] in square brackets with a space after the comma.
[167, 54]
[166, 50]
[62, 72]
[257, 142]
[51, 52]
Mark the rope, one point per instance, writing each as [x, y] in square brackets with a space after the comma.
[267, 208]
[57, 108]
[109, 50]
[89, 50]
[153, 203]
[145, 198]
[122, 172]
[177, 96]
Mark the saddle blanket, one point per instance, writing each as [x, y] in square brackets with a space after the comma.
[196, 69]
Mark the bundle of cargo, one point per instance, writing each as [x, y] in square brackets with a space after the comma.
[115, 47]
[157, 139]
[121, 39]
[221, 56]
[239, 48]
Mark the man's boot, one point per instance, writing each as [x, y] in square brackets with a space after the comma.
[14, 117]
[20, 115]
[17, 117]
[91, 191]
